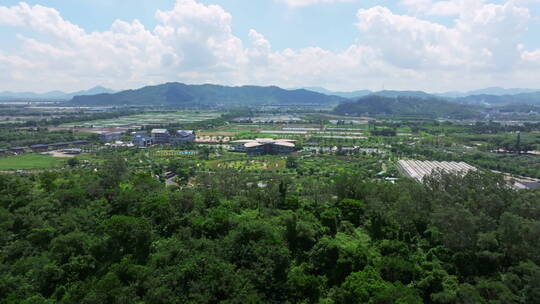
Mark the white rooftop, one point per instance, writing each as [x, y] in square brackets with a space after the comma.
[284, 143]
[184, 133]
[159, 131]
[419, 169]
[251, 143]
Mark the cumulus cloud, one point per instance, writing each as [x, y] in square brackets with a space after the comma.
[300, 3]
[194, 43]
[483, 38]
[441, 8]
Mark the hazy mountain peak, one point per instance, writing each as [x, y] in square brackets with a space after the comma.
[496, 91]
[351, 94]
[53, 95]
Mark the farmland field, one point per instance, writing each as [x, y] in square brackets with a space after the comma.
[30, 162]
[264, 164]
[147, 119]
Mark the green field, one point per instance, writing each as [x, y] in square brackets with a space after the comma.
[147, 119]
[30, 162]
[261, 164]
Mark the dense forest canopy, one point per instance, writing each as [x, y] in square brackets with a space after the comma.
[118, 235]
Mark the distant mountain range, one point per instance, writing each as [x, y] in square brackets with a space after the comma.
[406, 105]
[492, 95]
[352, 94]
[530, 98]
[496, 91]
[53, 95]
[208, 95]
[362, 93]
[523, 98]
[383, 102]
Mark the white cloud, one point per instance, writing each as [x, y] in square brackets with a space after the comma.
[194, 43]
[531, 59]
[441, 8]
[483, 38]
[301, 3]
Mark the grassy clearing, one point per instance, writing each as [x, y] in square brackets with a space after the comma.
[30, 162]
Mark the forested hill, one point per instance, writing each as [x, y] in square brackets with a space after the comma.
[405, 105]
[179, 94]
[523, 98]
[118, 235]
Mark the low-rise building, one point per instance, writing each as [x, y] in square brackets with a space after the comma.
[72, 151]
[419, 169]
[262, 146]
[161, 136]
[109, 136]
[17, 150]
[140, 132]
[39, 147]
[79, 142]
[142, 141]
[59, 145]
[183, 137]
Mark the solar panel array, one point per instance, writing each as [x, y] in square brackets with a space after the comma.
[419, 169]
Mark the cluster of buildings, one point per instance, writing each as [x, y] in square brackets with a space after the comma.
[261, 146]
[163, 136]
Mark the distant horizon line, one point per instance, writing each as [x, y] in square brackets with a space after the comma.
[310, 88]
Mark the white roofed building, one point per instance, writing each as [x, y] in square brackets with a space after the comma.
[160, 136]
[419, 169]
[262, 146]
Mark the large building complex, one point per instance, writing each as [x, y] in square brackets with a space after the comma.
[161, 136]
[419, 169]
[142, 141]
[261, 146]
[183, 137]
[109, 136]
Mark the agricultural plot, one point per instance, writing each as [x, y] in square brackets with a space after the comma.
[30, 162]
[146, 119]
[420, 169]
[334, 129]
[276, 119]
[248, 165]
[342, 137]
[324, 165]
[284, 132]
[174, 153]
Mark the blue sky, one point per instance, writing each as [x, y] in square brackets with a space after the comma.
[343, 45]
[328, 25]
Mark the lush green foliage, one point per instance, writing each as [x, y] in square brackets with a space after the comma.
[118, 235]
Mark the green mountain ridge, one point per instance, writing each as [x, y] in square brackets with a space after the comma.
[532, 98]
[406, 105]
[208, 95]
